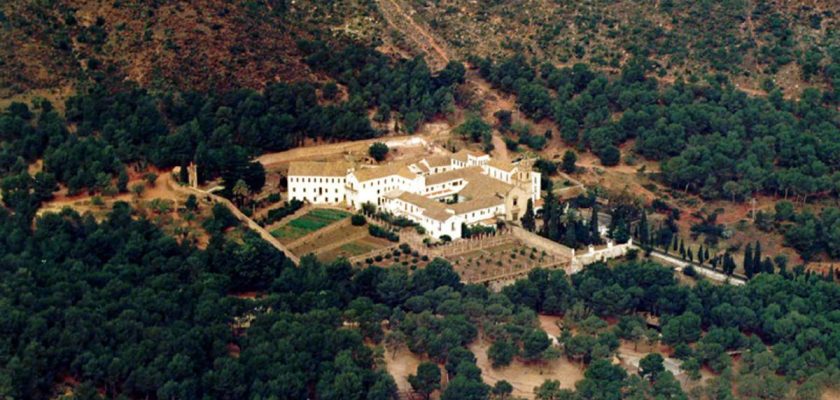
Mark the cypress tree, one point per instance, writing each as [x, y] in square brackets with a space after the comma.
[570, 235]
[748, 261]
[594, 235]
[548, 208]
[706, 254]
[700, 254]
[728, 264]
[528, 221]
[682, 249]
[689, 254]
[676, 238]
[556, 228]
[644, 230]
[756, 264]
[767, 265]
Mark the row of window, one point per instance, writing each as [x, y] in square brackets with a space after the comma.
[316, 199]
[316, 180]
[320, 190]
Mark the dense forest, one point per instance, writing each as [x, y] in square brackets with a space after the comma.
[121, 307]
[116, 308]
[711, 138]
[107, 127]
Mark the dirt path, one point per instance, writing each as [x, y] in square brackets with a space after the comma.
[400, 365]
[402, 22]
[325, 151]
[167, 180]
[500, 150]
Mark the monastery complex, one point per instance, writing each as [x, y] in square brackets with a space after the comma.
[439, 192]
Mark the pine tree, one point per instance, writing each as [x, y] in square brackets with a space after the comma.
[594, 234]
[122, 180]
[748, 261]
[528, 220]
[756, 264]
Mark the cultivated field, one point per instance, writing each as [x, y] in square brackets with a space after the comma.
[497, 260]
[310, 222]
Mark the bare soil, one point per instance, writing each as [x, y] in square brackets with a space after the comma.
[400, 365]
[525, 377]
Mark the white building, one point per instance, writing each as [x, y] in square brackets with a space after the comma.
[439, 192]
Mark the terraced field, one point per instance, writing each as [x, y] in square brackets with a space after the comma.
[308, 223]
[354, 248]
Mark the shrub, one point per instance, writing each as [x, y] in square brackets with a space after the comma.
[378, 151]
[378, 258]
[279, 213]
[405, 248]
[358, 220]
[380, 232]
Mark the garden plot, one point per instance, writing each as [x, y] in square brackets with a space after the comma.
[357, 247]
[310, 222]
[503, 259]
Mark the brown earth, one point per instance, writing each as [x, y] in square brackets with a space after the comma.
[524, 377]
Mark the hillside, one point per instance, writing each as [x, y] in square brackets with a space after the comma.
[208, 44]
[749, 40]
[213, 44]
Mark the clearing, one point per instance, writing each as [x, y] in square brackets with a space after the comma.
[524, 377]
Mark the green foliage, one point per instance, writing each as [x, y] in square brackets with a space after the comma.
[474, 128]
[427, 379]
[378, 231]
[569, 160]
[358, 220]
[711, 139]
[650, 366]
[275, 214]
[810, 234]
[501, 353]
[376, 81]
[378, 151]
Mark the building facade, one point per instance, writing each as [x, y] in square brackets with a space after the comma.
[442, 192]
